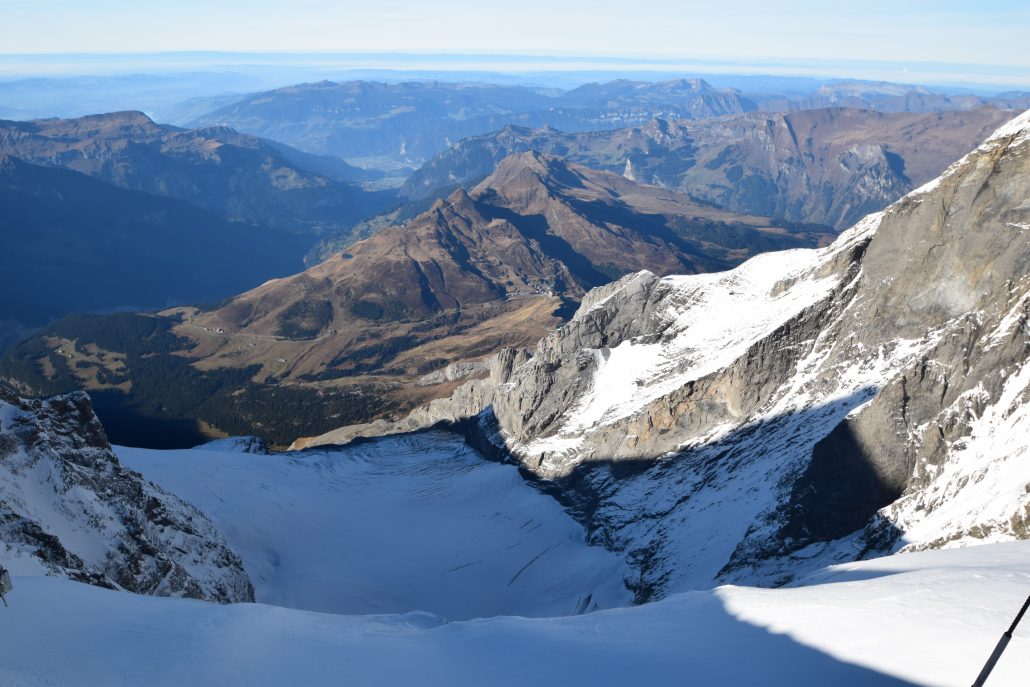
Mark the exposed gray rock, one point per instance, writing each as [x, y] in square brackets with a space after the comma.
[69, 508]
[255, 445]
[454, 372]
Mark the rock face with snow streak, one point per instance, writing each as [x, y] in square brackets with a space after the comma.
[68, 508]
[805, 408]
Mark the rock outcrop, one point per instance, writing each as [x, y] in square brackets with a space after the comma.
[69, 508]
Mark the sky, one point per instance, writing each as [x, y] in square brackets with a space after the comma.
[993, 34]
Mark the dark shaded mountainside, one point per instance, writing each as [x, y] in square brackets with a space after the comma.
[803, 409]
[826, 166]
[74, 243]
[151, 215]
[68, 508]
[371, 332]
[236, 176]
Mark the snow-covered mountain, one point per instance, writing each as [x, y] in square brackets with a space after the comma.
[808, 407]
[69, 508]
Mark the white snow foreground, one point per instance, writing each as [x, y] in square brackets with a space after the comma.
[402, 523]
[927, 618]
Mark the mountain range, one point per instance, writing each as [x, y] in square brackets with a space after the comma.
[884, 96]
[397, 127]
[820, 166]
[239, 177]
[825, 167]
[497, 266]
[529, 381]
[770, 425]
[183, 216]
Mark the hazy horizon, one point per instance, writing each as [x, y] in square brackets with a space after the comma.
[921, 41]
[533, 69]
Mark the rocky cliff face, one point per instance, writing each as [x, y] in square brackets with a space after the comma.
[804, 408]
[68, 508]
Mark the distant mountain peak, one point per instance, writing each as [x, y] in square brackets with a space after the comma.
[530, 172]
[694, 84]
[106, 125]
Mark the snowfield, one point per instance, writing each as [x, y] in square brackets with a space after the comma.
[388, 526]
[928, 618]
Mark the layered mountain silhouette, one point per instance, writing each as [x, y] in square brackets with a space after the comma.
[537, 225]
[153, 215]
[827, 166]
[239, 177]
[400, 125]
[884, 96]
[496, 266]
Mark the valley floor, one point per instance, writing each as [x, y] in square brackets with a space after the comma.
[927, 619]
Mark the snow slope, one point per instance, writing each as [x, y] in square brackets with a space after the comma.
[928, 618]
[708, 321]
[403, 523]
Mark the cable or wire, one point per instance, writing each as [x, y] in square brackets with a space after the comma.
[1000, 648]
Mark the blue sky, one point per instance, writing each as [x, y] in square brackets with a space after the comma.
[988, 33]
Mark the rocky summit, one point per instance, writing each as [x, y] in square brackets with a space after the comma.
[805, 408]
